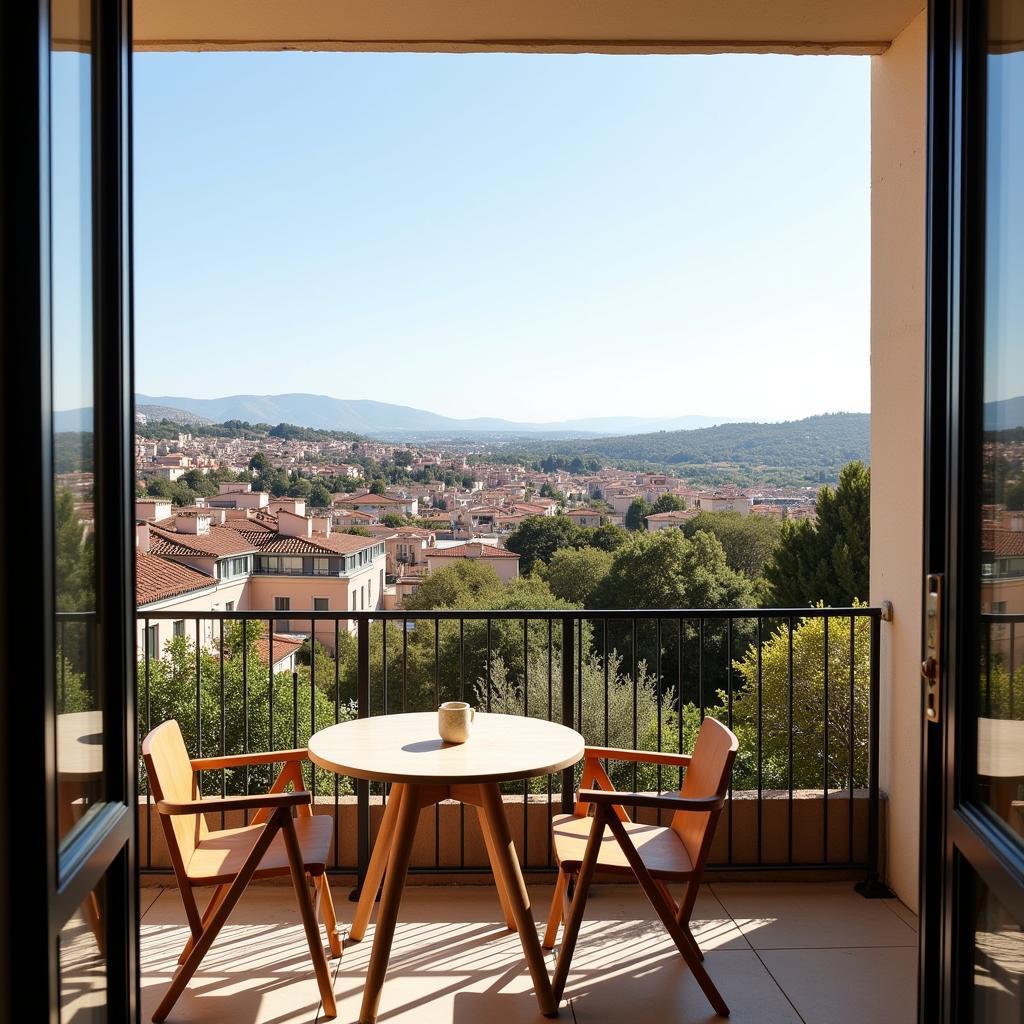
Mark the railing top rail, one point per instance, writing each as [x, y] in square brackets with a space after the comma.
[591, 614]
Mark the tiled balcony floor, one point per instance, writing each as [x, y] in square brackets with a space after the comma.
[815, 953]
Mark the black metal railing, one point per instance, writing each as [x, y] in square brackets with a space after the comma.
[799, 686]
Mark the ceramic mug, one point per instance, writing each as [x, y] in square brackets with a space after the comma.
[454, 721]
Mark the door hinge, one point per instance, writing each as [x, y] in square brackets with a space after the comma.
[931, 666]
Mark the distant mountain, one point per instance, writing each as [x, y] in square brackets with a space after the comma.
[1004, 415]
[375, 418]
[145, 413]
[811, 450]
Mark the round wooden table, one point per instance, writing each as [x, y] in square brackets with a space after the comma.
[406, 751]
[1001, 761]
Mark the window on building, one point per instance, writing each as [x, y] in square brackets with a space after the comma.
[153, 641]
[362, 598]
[283, 604]
[178, 627]
[321, 604]
[229, 606]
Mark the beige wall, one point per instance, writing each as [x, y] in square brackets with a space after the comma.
[205, 600]
[898, 91]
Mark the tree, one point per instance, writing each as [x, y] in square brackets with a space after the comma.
[749, 541]
[827, 561]
[667, 570]
[575, 573]
[402, 458]
[301, 488]
[73, 557]
[547, 491]
[393, 520]
[260, 464]
[377, 486]
[464, 584]
[668, 503]
[636, 513]
[537, 538]
[609, 537]
[319, 496]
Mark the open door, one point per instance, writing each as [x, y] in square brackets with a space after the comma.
[67, 722]
[972, 924]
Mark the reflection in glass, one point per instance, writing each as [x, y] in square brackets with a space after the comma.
[83, 966]
[998, 962]
[1000, 768]
[79, 718]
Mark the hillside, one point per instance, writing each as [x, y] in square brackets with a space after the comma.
[386, 419]
[809, 451]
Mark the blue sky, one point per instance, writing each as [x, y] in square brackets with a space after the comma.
[535, 237]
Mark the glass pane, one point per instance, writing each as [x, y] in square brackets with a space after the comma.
[998, 961]
[79, 715]
[1000, 768]
[83, 966]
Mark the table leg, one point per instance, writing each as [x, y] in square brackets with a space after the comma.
[378, 862]
[508, 874]
[394, 881]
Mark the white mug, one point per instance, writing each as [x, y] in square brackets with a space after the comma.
[454, 721]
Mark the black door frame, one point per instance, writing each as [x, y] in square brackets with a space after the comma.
[957, 838]
[41, 885]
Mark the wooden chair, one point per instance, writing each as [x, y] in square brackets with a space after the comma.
[274, 844]
[611, 842]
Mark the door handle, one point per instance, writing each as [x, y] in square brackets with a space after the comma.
[931, 666]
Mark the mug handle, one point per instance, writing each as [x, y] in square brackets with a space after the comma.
[472, 714]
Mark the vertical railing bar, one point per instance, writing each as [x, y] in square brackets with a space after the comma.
[636, 737]
[850, 766]
[199, 704]
[149, 727]
[551, 638]
[337, 719]
[488, 665]
[728, 692]
[824, 849]
[700, 667]
[362, 785]
[1013, 637]
[245, 710]
[405, 664]
[270, 683]
[604, 658]
[223, 728]
[679, 695]
[579, 673]
[657, 683]
[62, 646]
[526, 714]
[567, 705]
[312, 704]
[760, 740]
[437, 702]
[988, 671]
[789, 722]
[462, 696]
[295, 707]
[874, 808]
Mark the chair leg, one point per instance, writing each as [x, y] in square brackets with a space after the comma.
[330, 918]
[555, 914]
[668, 917]
[312, 929]
[579, 901]
[211, 908]
[220, 915]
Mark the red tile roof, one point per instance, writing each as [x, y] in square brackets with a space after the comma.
[157, 579]
[319, 544]
[471, 551]
[1003, 543]
[218, 542]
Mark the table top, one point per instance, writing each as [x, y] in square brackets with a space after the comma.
[80, 744]
[407, 748]
[1001, 748]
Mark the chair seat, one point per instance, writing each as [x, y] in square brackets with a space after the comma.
[661, 850]
[219, 856]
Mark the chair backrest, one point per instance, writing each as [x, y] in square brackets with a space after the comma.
[171, 778]
[707, 775]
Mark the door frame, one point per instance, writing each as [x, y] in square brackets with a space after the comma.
[956, 837]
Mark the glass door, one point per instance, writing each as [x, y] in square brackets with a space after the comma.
[973, 926]
[67, 727]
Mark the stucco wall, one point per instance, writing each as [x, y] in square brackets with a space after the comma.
[898, 94]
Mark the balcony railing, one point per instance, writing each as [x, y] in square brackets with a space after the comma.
[799, 686]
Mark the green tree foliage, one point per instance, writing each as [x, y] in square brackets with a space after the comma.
[667, 570]
[466, 583]
[636, 514]
[805, 729]
[393, 520]
[609, 537]
[73, 552]
[300, 488]
[547, 491]
[537, 538]
[575, 573]
[748, 541]
[320, 496]
[169, 683]
[827, 560]
[259, 463]
[402, 458]
[377, 486]
[668, 503]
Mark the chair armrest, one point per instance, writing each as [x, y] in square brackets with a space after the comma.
[254, 802]
[643, 756]
[207, 764]
[665, 801]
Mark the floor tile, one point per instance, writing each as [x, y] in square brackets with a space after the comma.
[848, 986]
[797, 915]
[903, 912]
